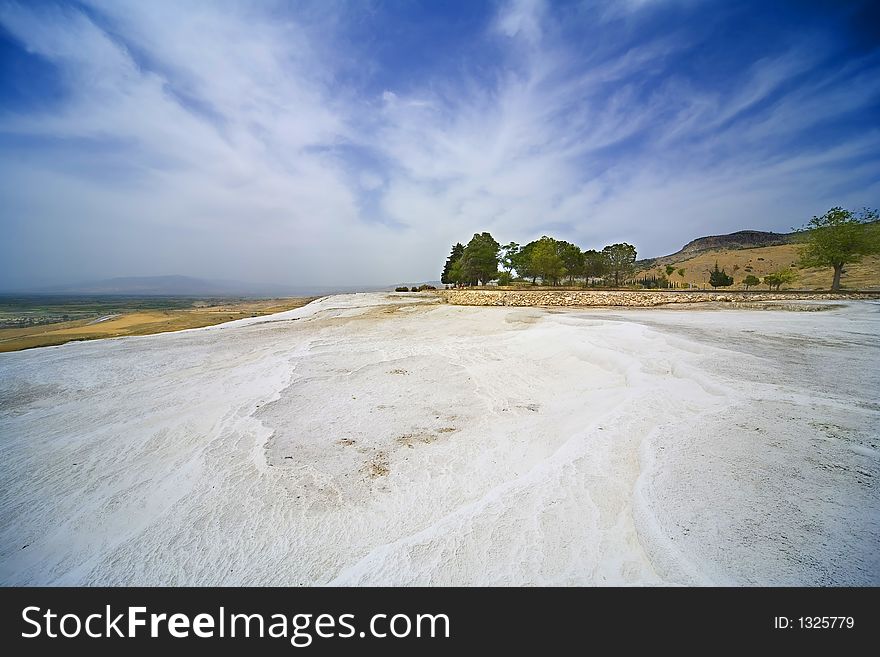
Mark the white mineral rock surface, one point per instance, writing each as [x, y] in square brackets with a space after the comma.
[387, 439]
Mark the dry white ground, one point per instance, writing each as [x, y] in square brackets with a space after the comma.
[386, 439]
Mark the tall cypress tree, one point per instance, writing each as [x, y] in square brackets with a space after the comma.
[719, 278]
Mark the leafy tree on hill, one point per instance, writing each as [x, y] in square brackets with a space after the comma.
[479, 261]
[620, 260]
[779, 278]
[837, 238]
[456, 253]
[751, 280]
[669, 270]
[719, 278]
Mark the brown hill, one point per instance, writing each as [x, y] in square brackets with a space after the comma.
[757, 253]
[743, 239]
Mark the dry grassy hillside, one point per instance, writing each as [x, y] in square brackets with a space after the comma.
[761, 261]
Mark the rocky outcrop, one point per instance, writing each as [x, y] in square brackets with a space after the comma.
[633, 298]
[743, 239]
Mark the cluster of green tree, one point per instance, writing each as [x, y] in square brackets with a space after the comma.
[550, 260]
[654, 282]
[664, 280]
[775, 280]
[837, 238]
[476, 263]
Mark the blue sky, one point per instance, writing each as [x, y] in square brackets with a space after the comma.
[353, 142]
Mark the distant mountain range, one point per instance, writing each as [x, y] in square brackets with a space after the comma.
[159, 286]
[151, 285]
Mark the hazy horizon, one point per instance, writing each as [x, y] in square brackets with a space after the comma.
[172, 283]
[344, 144]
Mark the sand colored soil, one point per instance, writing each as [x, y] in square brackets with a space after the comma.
[140, 323]
[759, 262]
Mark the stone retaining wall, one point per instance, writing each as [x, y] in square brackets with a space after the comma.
[484, 297]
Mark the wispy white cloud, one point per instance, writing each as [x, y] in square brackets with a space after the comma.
[523, 19]
[535, 151]
[233, 141]
[218, 110]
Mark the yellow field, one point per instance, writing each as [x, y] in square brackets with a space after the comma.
[759, 262]
[141, 323]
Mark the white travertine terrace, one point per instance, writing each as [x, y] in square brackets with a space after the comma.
[388, 439]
